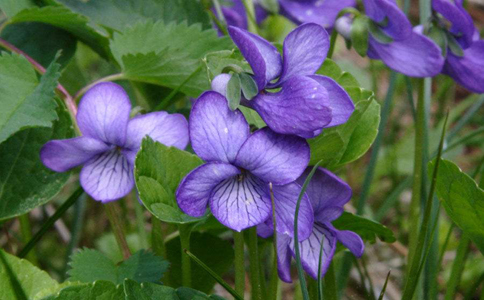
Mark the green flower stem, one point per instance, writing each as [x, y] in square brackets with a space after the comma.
[71, 105]
[239, 262]
[457, 268]
[255, 278]
[332, 43]
[418, 168]
[50, 222]
[220, 14]
[157, 237]
[26, 231]
[112, 211]
[329, 290]
[275, 283]
[104, 79]
[185, 233]
[377, 144]
[251, 21]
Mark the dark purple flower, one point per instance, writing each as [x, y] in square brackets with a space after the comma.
[235, 14]
[328, 194]
[466, 69]
[110, 141]
[399, 46]
[306, 103]
[322, 12]
[235, 180]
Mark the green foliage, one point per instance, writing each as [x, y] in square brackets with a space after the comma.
[104, 290]
[25, 103]
[62, 17]
[345, 143]
[20, 276]
[216, 253]
[21, 168]
[12, 7]
[249, 86]
[89, 265]
[158, 172]
[367, 229]
[462, 199]
[37, 40]
[167, 54]
[118, 14]
[216, 62]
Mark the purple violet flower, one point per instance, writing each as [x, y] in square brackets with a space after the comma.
[110, 141]
[466, 69]
[306, 103]
[235, 14]
[239, 166]
[328, 194]
[322, 12]
[404, 50]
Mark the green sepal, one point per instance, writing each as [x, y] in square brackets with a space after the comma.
[233, 91]
[454, 46]
[439, 36]
[359, 34]
[248, 85]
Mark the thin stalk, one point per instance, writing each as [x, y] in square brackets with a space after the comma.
[255, 279]
[382, 294]
[185, 233]
[377, 144]
[332, 43]
[465, 118]
[329, 290]
[473, 289]
[218, 9]
[113, 215]
[214, 275]
[300, 272]
[274, 223]
[26, 231]
[417, 173]
[274, 284]
[239, 262]
[166, 101]
[367, 275]
[409, 88]
[217, 22]
[71, 105]
[416, 261]
[250, 11]
[140, 222]
[320, 275]
[50, 222]
[157, 237]
[113, 77]
[457, 268]
[444, 246]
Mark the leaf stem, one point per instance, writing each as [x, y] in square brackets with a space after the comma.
[457, 267]
[113, 215]
[239, 262]
[26, 231]
[50, 222]
[214, 275]
[71, 105]
[140, 221]
[274, 284]
[185, 233]
[157, 237]
[332, 43]
[254, 266]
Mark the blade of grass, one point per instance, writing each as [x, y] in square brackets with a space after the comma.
[382, 294]
[416, 262]
[185, 231]
[50, 222]
[214, 275]
[239, 262]
[457, 268]
[329, 290]
[300, 272]
[320, 277]
[254, 263]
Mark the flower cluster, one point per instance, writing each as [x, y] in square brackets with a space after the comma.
[110, 141]
[305, 102]
[244, 170]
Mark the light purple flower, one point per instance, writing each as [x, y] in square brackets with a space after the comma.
[306, 103]
[467, 70]
[110, 141]
[328, 194]
[239, 166]
[322, 12]
[410, 52]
